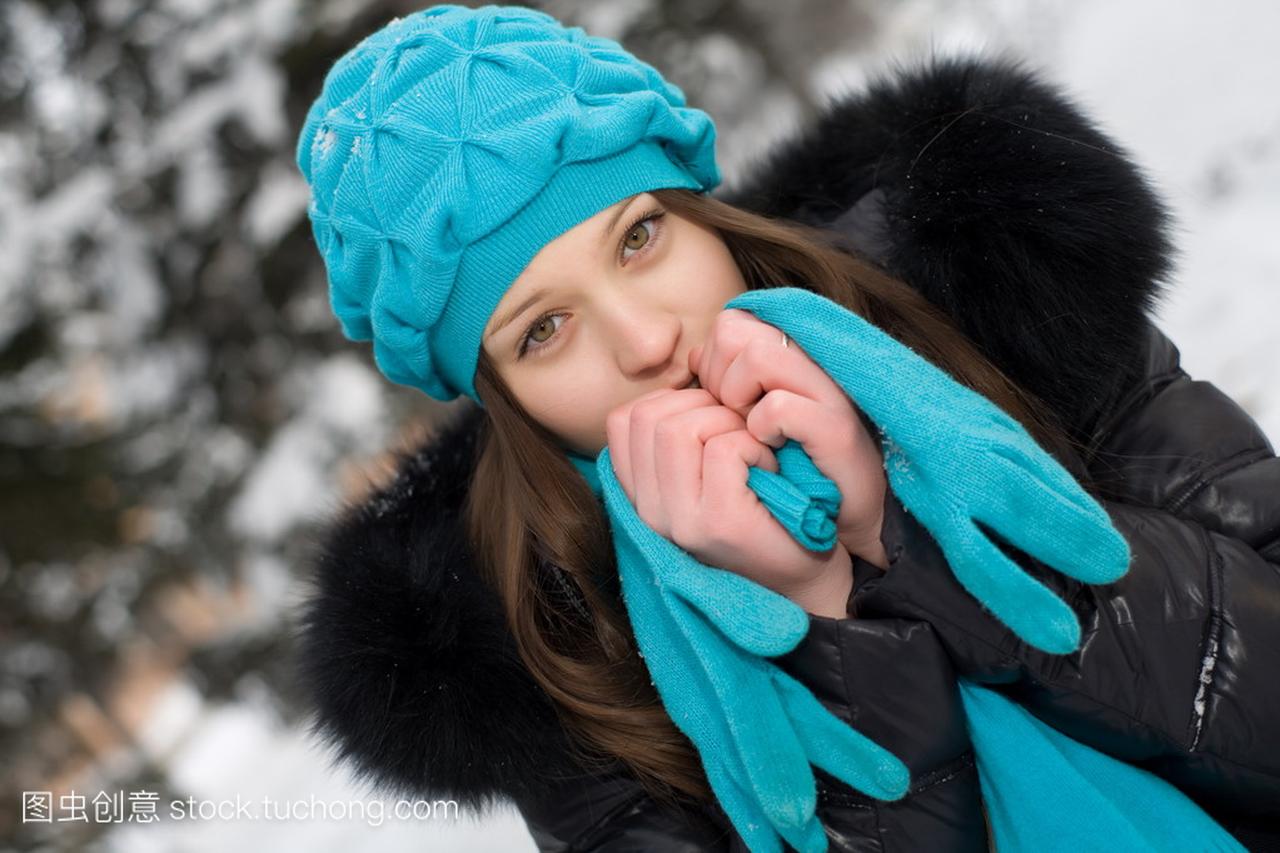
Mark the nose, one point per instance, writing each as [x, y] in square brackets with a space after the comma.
[644, 337]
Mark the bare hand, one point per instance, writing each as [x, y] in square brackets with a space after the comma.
[683, 459]
[784, 394]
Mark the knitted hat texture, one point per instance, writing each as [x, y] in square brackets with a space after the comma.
[448, 147]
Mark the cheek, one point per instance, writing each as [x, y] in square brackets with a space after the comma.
[570, 409]
[728, 276]
[710, 264]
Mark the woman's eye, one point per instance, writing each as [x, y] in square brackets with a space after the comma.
[529, 337]
[641, 239]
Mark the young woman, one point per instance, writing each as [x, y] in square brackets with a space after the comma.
[520, 213]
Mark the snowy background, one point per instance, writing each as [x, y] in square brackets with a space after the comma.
[178, 409]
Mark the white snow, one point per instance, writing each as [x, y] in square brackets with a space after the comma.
[202, 186]
[279, 202]
[293, 481]
[290, 800]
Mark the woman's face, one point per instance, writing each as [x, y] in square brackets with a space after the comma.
[606, 312]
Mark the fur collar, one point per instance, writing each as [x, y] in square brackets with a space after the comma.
[973, 180]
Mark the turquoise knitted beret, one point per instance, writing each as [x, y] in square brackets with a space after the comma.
[448, 147]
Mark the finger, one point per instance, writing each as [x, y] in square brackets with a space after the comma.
[726, 462]
[677, 454]
[731, 331]
[742, 808]
[829, 436]
[1028, 607]
[816, 449]
[764, 364]
[838, 748]
[670, 644]
[810, 318]
[1056, 522]
[648, 411]
[777, 767]
[617, 426]
[695, 362]
[740, 384]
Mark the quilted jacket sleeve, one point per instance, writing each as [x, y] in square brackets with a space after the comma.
[892, 680]
[1177, 666]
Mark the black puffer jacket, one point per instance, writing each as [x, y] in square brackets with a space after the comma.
[988, 191]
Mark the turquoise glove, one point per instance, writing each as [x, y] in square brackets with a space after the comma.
[704, 634]
[955, 460]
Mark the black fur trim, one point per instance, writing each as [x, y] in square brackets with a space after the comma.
[411, 674]
[989, 191]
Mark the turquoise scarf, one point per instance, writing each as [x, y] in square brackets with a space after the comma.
[955, 460]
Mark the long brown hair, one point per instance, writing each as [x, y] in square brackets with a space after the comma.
[542, 539]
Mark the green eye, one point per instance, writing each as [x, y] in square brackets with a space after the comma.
[528, 336]
[648, 240]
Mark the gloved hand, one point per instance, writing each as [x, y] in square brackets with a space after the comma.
[955, 460]
[704, 633]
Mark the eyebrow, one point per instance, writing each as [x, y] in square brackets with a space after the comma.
[542, 291]
[519, 309]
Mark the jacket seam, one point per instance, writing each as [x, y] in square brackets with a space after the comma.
[1210, 474]
[1209, 645]
[844, 673]
[960, 764]
[938, 776]
[875, 815]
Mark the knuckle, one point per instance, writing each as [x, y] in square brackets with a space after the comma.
[774, 402]
[642, 417]
[725, 319]
[721, 445]
[728, 324]
[722, 420]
